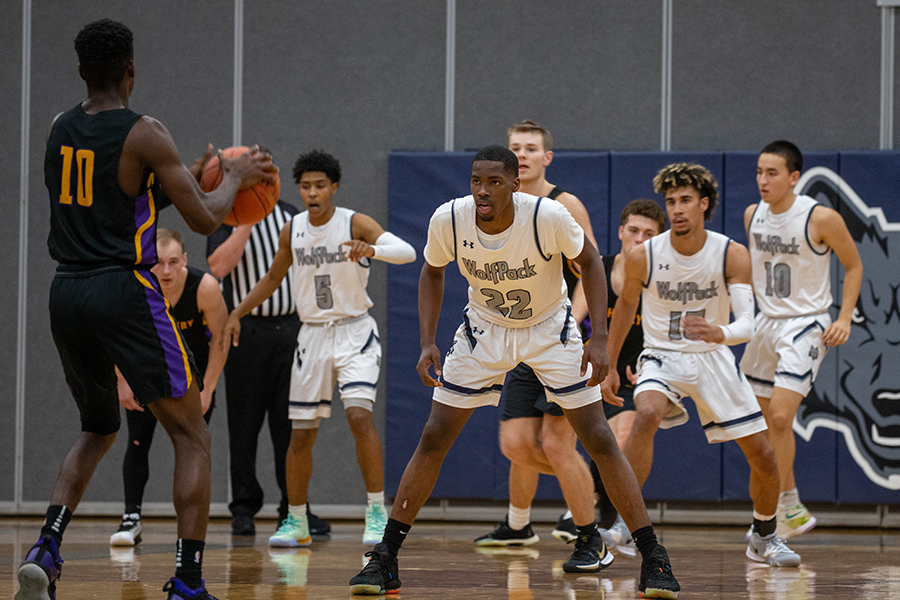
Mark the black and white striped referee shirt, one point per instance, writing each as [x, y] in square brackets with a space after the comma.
[256, 260]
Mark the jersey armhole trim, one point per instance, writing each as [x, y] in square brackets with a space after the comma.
[649, 262]
[725, 260]
[752, 217]
[453, 225]
[806, 233]
[537, 239]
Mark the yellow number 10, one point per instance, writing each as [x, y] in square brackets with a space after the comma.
[85, 165]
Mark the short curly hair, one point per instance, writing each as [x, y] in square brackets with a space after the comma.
[104, 48]
[689, 174]
[317, 160]
[644, 208]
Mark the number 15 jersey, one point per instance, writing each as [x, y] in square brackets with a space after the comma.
[327, 285]
[679, 285]
[519, 284]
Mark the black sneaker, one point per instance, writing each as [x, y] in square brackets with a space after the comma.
[502, 535]
[380, 576]
[317, 525]
[590, 555]
[565, 529]
[657, 580]
[242, 524]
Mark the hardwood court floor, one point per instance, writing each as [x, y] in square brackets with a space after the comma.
[440, 561]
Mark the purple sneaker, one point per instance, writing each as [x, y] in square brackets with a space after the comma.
[178, 591]
[39, 572]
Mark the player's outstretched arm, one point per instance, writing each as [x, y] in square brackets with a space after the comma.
[593, 277]
[215, 313]
[372, 241]
[265, 287]
[828, 227]
[431, 296]
[740, 291]
[149, 148]
[635, 269]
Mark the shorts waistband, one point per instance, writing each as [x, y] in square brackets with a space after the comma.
[342, 321]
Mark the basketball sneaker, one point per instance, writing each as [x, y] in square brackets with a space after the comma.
[590, 555]
[179, 591]
[657, 580]
[794, 521]
[317, 525]
[293, 532]
[503, 535]
[40, 571]
[771, 550]
[379, 576]
[565, 529]
[376, 519]
[623, 544]
[129, 532]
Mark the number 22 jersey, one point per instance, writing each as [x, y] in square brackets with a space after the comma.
[519, 284]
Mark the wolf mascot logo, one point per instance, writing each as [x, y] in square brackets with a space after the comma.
[866, 409]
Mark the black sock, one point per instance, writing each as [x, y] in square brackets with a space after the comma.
[394, 534]
[189, 562]
[764, 528]
[56, 521]
[645, 540]
[586, 530]
[608, 512]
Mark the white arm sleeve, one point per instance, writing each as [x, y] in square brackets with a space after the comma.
[391, 249]
[741, 329]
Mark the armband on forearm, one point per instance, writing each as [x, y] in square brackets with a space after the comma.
[391, 249]
[741, 329]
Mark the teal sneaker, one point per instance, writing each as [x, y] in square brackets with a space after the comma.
[794, 521]
[376, 519]
[293, 532]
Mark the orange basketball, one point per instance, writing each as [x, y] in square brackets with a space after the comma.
[251, 205]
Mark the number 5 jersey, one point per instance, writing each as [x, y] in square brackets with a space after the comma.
[327, 285]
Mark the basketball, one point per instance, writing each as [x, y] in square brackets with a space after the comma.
[251, 205]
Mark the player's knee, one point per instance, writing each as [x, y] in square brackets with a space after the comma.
[515, 446]
[560, 448]
[781, 421]
[647, 419]
[435, 440]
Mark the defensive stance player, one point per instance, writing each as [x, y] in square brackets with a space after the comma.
[688, 281]
[509, 246]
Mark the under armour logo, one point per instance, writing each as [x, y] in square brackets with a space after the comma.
[468, 244]
[477, 331]
[814, 353]
[663, 267]
[760, 220]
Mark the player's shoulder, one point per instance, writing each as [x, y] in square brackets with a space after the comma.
[445, 210]
[570, 201]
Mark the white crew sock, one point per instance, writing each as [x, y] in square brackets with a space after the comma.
[518, 518]
[568, 515]
[375, 497]
[297, 510]
[788, 499]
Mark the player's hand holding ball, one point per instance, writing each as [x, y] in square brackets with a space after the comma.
[260, 184]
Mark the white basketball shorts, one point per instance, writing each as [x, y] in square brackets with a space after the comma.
[725, 403]
[482, 353]
[785, 353]
[348, 352]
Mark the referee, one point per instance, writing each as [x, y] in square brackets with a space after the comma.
[258, 372]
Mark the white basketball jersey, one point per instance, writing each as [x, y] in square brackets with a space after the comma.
[518, 284]
[679, 285]
[327, 286]
[791, 274]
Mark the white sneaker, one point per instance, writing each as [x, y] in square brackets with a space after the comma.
[129, 532]
[794, 521]
[771, 550]
[376, 520]
[624, 544]
[292, 533]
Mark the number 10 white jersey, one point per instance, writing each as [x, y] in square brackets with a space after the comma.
[791, 275]
[327, 286]
[679, 285]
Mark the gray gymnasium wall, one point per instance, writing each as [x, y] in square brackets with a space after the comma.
[360, 79]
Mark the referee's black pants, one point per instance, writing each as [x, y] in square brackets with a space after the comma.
[257, 384]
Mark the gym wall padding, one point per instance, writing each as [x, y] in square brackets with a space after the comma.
[685, 466]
